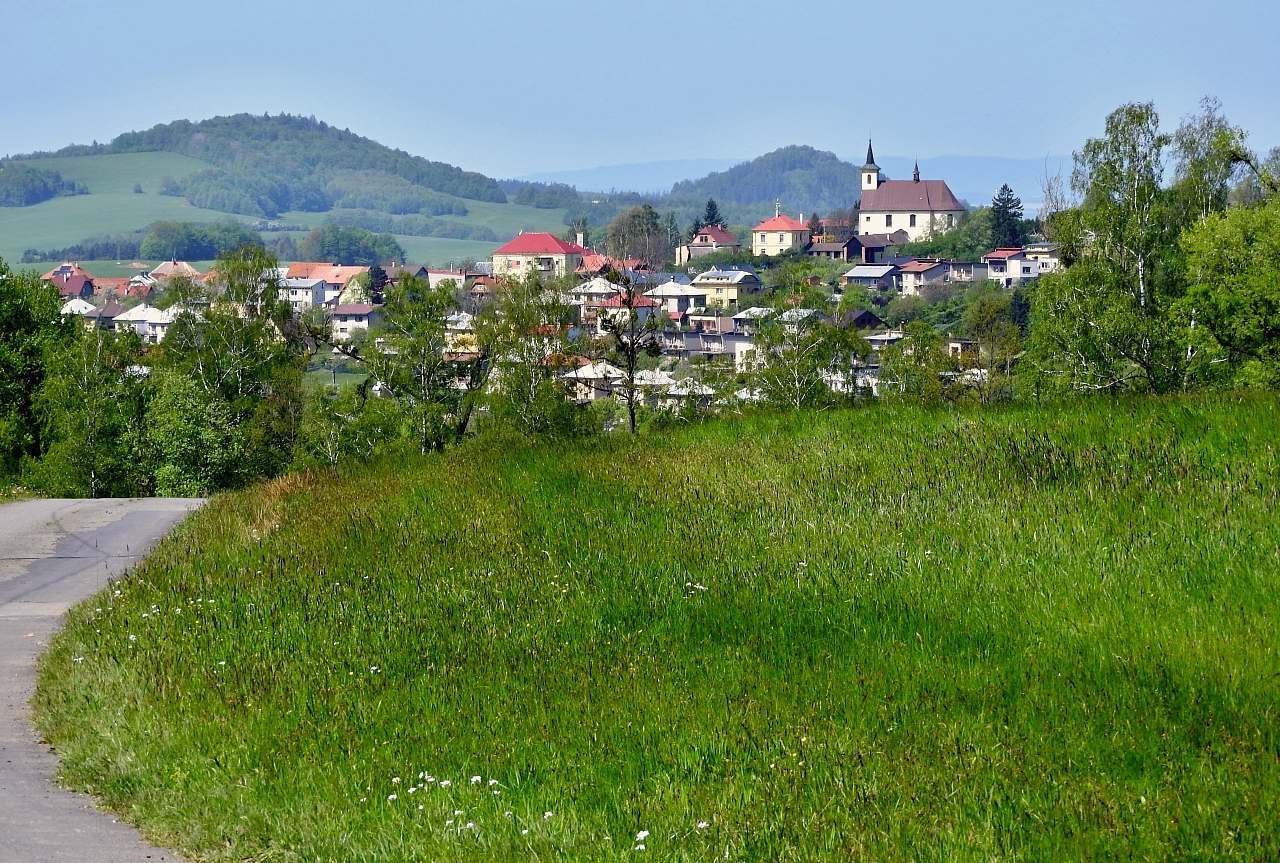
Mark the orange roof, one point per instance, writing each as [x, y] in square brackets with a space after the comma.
[781, 223]
[334, 274]
[716, 235]
[1004, 253]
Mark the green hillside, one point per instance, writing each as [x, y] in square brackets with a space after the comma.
[112, 207]
[801, 178]
[1031, 633]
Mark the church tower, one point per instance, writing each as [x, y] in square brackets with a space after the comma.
[870, 171]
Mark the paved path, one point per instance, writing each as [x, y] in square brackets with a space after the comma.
[54, 553]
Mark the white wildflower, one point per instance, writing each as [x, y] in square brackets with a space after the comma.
[642, 835]
[475, 780]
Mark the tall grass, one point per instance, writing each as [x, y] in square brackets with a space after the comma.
[886, 634]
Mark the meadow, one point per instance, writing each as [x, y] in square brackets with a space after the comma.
[1027, 633]
[113, 207]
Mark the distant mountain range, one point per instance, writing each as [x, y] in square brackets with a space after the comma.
[647, 178]
[974, 179]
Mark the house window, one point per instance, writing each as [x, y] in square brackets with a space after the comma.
[888, 221]
[868, 218]
[951, 220]
[913, 220]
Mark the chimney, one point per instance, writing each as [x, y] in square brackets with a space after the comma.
[581, 239]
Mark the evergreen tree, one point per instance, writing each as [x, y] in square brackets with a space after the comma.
[711, 215]
[815, 226]
[1006, 217]
[377, 281]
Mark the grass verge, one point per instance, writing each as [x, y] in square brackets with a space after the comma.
[885, 634]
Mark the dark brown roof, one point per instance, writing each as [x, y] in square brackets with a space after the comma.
[896, 196]
[834, 247]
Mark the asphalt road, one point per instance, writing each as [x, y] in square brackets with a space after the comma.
[54, 553]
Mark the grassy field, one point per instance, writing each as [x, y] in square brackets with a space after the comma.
[886, 634]
[112, 207]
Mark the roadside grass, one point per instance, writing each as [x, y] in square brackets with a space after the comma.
[1033, 633]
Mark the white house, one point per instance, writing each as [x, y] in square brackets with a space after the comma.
[677, 299]
[619, 308]
[1010, 266]
[882, 276]
[593, 381]
[914, 276]
[724, 288]
[151, 324]
[76, 306]
[304, 294]
[353, 318]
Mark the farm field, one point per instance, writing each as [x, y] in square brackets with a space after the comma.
[1028, 633]
[113, 207]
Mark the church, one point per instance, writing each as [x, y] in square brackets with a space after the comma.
[919, 207]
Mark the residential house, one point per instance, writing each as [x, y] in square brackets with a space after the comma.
[677, 299]
[707, 241]
[104, 316]
[1010, 266]
[303, 294]
[862, 319]
[877, 276]
[171, 268]
[150, 323]
[916, 275]
[460, 333]
[919, 207]
[596, 264]
[438, 278]
[966, 271]
[620, 307]
[779, 234]
[76, 307]
[71, 280]
[541, 253]
[725, 287]
[876, 246]
[1048, 257]
[708, 319]
[749, 320]
[335, 276]
[686, 393]
[349, 319]
[593, 381]
[848, 249]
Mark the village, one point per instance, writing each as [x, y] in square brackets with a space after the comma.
[702, 317]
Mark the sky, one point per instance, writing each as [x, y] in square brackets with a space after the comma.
[509, 87]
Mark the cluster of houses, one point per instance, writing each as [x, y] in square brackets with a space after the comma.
[704, 316]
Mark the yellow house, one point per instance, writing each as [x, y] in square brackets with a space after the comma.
[544, 254]
[779, 234]
[723, 287]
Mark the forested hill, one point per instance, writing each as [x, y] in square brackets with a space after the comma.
[264, 165]
[802, 178]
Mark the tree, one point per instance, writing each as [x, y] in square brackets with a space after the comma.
[377, 282]
[800, 355]
[195, 440]
[711, 215]
[1234, 292]
[915, 368]
[350, 246]
[639, 233]
[630, 336]
[1006, 219]
[988, 318]
[1104, 324]
[91, 405]
[815, 225]
[1207, 162]
[410, 362]
[30, 325]
[528, 396]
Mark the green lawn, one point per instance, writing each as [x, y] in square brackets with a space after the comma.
[1031, 634]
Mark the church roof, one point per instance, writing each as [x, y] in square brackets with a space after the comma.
[871, 156]
[896, 196]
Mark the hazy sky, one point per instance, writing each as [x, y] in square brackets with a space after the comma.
[509, 87]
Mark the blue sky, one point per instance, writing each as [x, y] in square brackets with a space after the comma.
[511, 87]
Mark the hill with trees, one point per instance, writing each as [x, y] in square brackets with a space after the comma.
[802, 178]
[266, 165]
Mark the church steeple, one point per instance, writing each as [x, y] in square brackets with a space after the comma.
[915, 175]
[870, 171]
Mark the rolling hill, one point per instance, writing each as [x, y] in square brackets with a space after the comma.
[801, 178]
[294, 170]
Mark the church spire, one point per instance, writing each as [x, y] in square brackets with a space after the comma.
[871, 156]
[915, 175]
